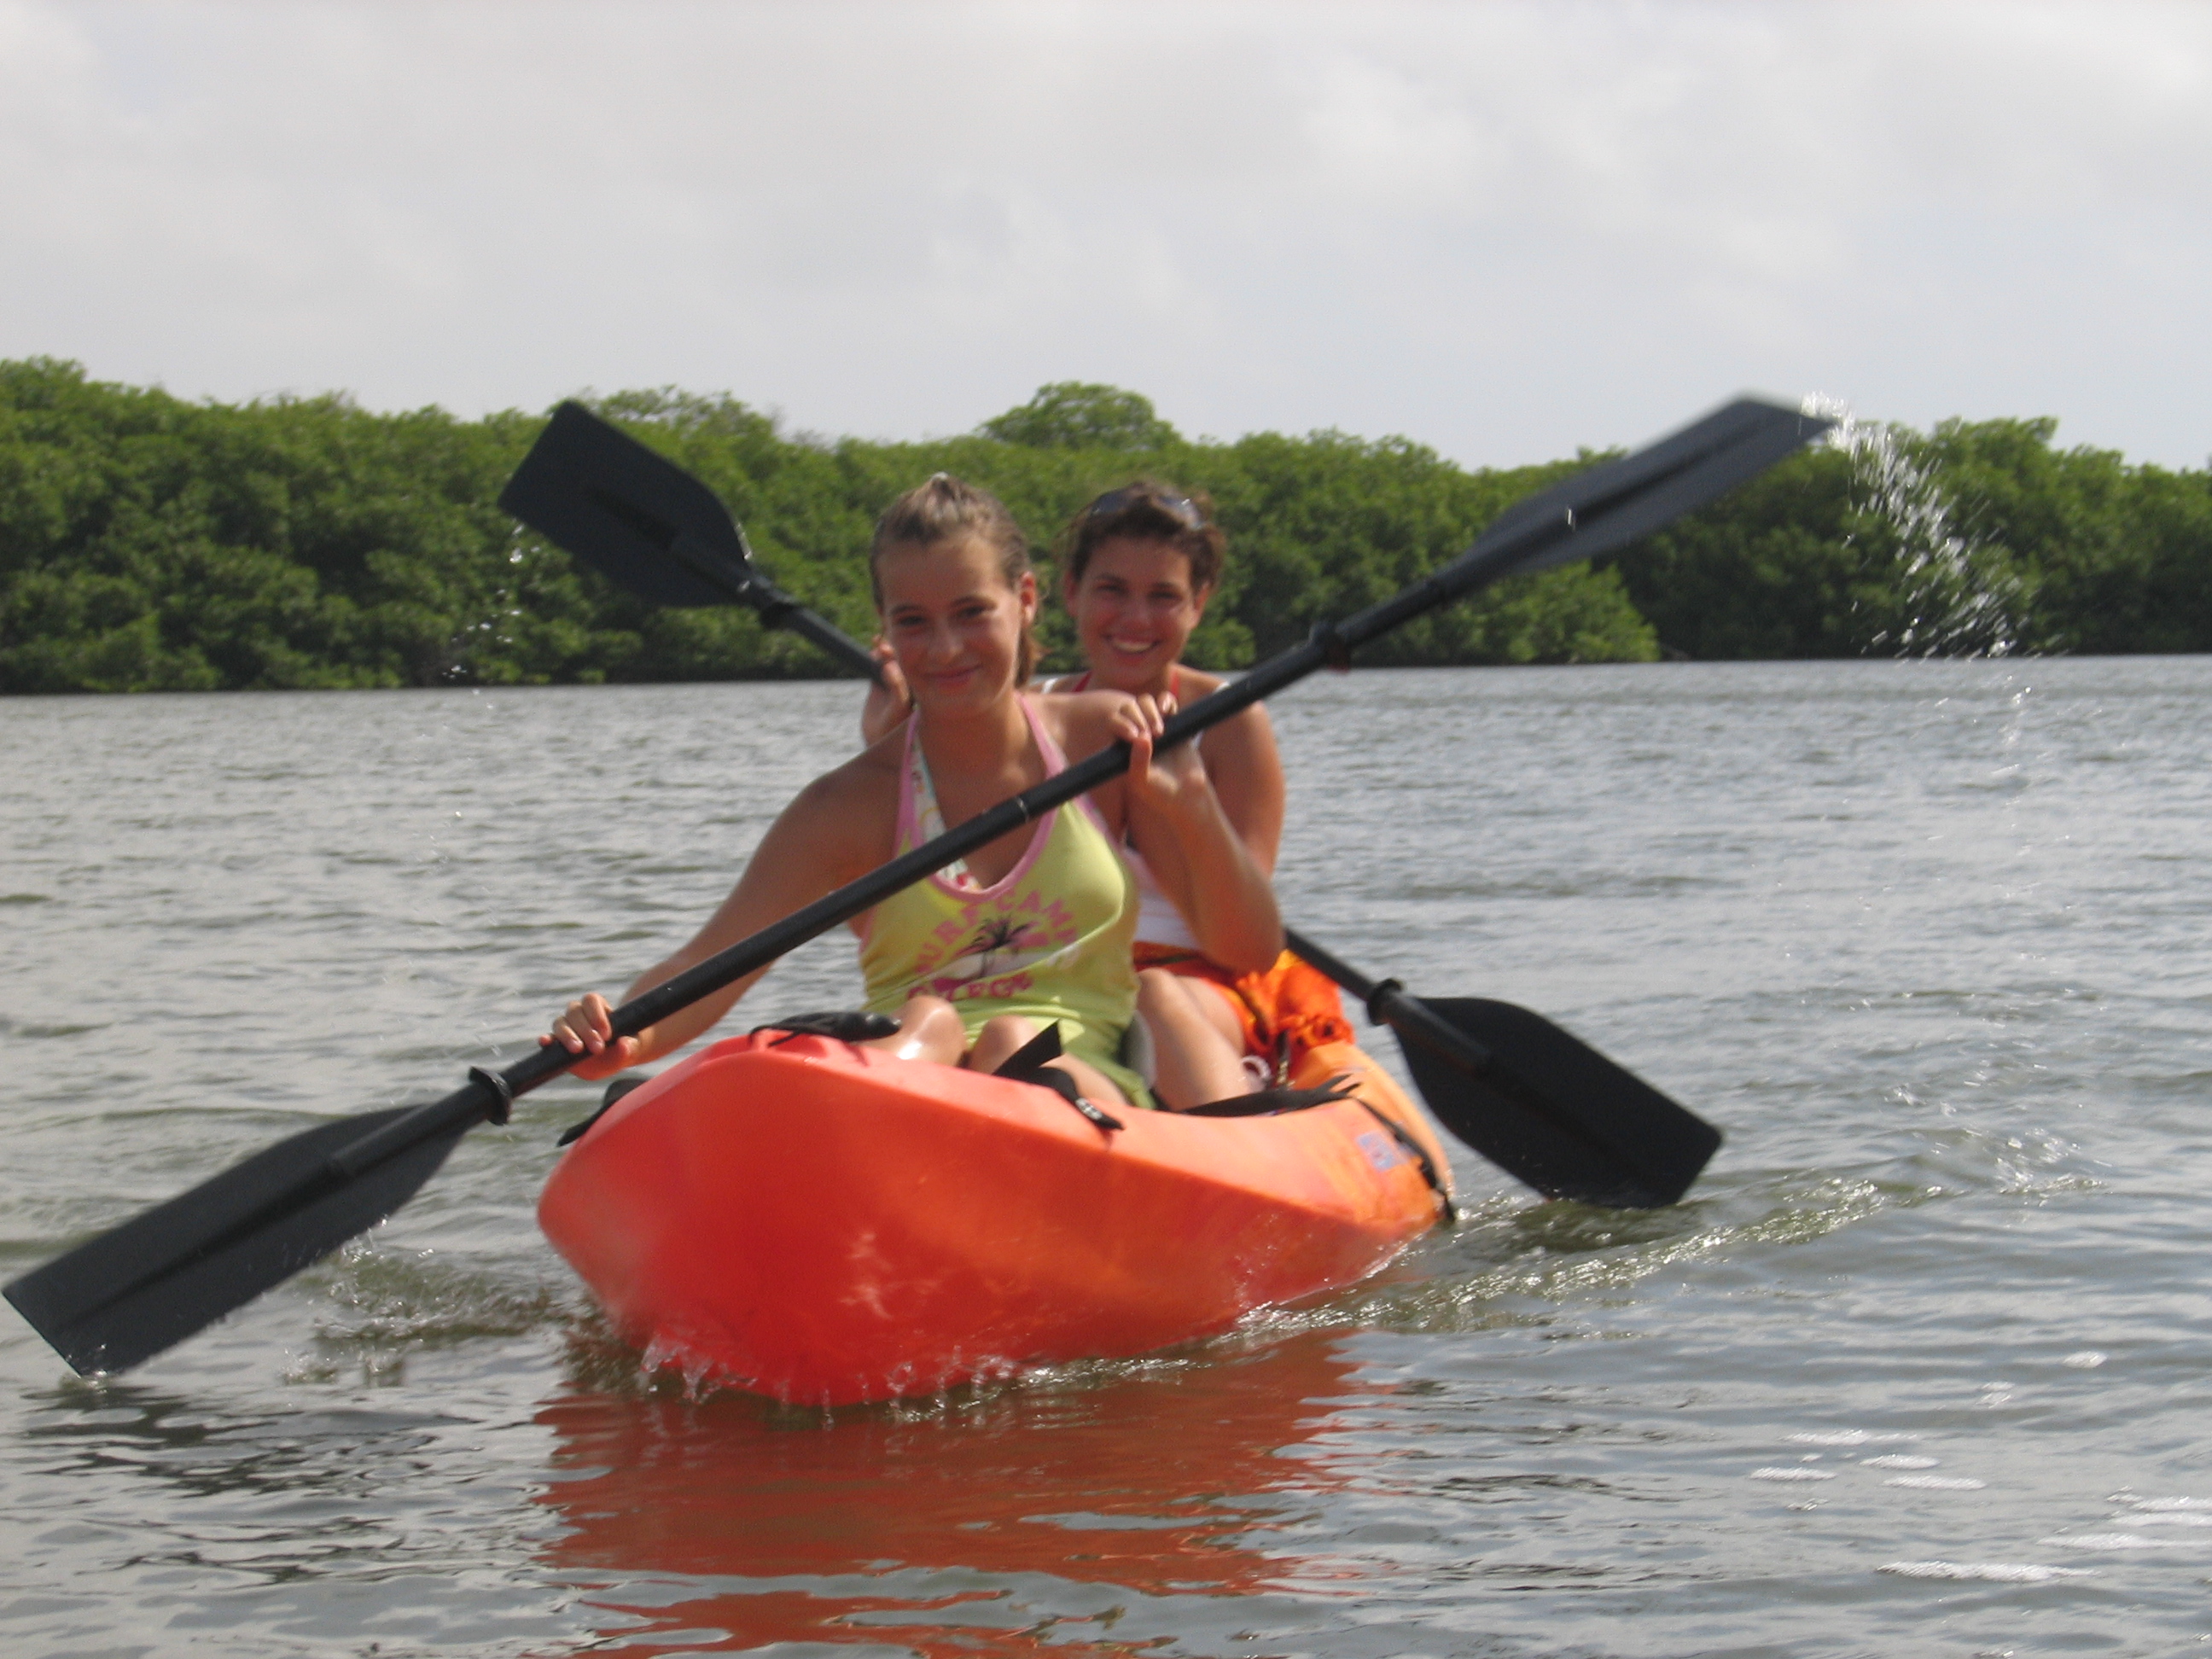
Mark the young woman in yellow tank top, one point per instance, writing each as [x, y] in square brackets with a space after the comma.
[1036, 927]
[1138, 566]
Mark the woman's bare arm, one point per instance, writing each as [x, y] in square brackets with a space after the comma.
[1174, 817]
[1247, 770]
[832, 833]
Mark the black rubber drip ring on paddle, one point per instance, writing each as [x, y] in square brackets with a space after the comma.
[1383, 988]
[1334, 650]
[503, 1097]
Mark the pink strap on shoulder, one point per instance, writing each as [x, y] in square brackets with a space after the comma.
[908, 831]
[1055, 761]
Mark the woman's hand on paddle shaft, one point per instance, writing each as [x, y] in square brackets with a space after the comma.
[889, 701]
[587, 1028]
[1172, 781]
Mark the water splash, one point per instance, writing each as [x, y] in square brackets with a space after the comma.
[1995, 1572]
[1953, 598]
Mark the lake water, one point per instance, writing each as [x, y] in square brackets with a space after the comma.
[1922, 1367]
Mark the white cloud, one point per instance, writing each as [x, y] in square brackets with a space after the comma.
[1504, 229]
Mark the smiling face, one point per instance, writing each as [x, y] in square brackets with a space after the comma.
[1134, 609]
[954, 621]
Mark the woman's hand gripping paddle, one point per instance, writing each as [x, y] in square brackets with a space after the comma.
[127, 1295]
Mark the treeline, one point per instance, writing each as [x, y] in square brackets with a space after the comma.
[150, 543]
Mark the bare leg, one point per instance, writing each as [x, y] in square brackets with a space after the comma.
[929, 1029]
[996, 1042]
[1212, 1001]
[1197, 1045]
[1094, 1084]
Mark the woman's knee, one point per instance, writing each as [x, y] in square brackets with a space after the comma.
[1000, 1036]
[1161, 992]
[1015, 1028]
[1183, 1004]
[929, 1029]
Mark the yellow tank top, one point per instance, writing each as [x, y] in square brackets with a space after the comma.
[1050, 940]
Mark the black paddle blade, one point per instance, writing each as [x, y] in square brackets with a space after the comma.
[1553, 1111]
[592, 489]
[595, 490]
[1617, 503]
[155, 1280]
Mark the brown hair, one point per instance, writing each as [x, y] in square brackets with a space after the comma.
[1148, 511]
[949, 509]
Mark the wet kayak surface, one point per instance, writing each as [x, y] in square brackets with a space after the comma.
[1920, 1365]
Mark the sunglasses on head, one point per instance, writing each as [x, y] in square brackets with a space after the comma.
[1180, 508]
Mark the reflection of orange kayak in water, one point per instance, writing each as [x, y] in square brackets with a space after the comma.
[826, 1223]
[724, 1523]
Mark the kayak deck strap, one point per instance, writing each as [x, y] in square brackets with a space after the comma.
[1277, 1099]
[1032, 1063]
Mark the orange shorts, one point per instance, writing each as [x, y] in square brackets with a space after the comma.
[1290, 1006]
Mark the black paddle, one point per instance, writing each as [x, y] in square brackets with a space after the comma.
[1535, 1100]
[1539, 1103]
[614, 498]
[109, 1304]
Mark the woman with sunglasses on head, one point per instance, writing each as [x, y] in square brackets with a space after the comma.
[1139, 566]
[1033, 930]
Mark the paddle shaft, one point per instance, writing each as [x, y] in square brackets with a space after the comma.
[744, 583]
[1388, 1004]
[790, 614]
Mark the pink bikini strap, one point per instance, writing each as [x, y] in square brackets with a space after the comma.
[1055, 761]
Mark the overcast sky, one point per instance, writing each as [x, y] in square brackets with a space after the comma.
[1501, 229]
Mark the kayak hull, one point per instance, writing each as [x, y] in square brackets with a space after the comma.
[826, 1223]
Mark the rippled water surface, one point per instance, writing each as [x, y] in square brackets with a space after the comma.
[1921, 1367]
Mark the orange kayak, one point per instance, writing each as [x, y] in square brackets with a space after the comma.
[825, 1223]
